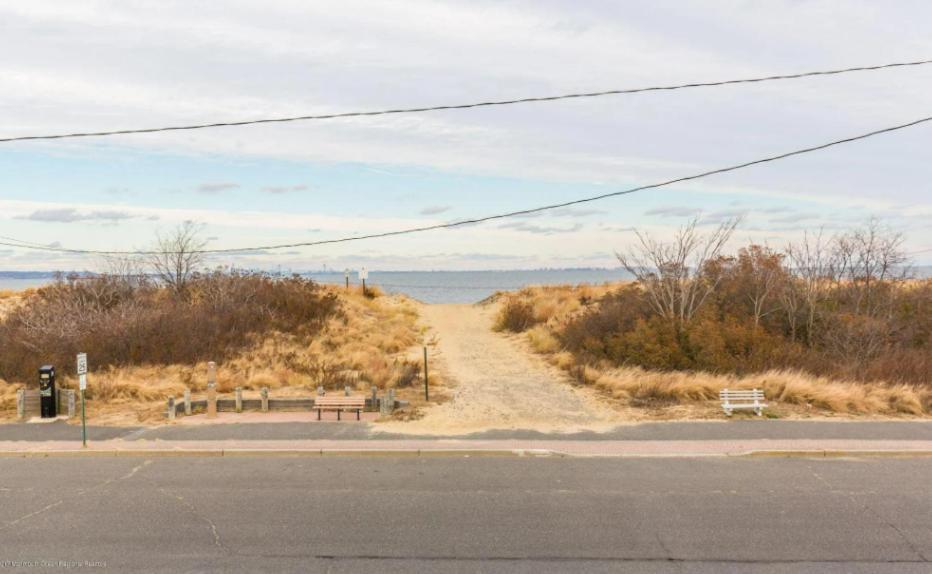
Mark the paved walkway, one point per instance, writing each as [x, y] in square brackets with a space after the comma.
[666, 448]
[231, 427]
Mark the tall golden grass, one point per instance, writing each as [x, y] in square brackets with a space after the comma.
[368, 344]
[552, 307]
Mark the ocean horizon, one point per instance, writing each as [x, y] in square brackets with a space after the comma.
[425, 286]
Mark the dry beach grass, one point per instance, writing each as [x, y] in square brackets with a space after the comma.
[545, 312]
[371, 342]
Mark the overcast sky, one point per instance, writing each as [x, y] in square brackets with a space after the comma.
[72, 66]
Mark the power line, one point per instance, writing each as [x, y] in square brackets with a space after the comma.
[496, 216]
[466, 106]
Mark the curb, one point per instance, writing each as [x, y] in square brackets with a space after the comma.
[465, 453]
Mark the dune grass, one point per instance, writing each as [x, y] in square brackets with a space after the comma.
[369, 343]
[544, 312]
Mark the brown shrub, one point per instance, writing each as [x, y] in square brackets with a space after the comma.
[120, 321]
[515, 315]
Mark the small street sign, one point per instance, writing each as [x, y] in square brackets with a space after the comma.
[82, 363]
[363, 274]
[82, 385]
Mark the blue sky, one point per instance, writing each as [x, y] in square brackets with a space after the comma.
[106, 65]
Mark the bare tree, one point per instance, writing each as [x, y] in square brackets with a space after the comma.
[814, 266]
[766, 277]
[671, 273]
[177, 255]
[868, 257]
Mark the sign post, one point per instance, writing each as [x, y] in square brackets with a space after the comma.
[363, 275]
[426, 393]
[82, 385]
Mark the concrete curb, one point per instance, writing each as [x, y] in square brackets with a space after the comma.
[453, 452]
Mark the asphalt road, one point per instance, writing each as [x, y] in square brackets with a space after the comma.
[724, 430]
[396, 514]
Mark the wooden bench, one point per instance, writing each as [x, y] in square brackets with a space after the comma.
[339, 403]
[742, 399]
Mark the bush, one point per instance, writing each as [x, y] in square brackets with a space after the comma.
[516, 316]
[121, 320]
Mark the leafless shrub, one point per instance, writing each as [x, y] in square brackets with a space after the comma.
[177, 255]
[671, 273]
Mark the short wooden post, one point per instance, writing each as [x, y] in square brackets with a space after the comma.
[375, 397]
[211, 373]
[211, 401]
[187, 402]
[388, 403]
[71, 403]
[264, 393]
[320, 390]
[211, 390]
[347, 390]
[21, 403]
[239, 399]
[171, 408]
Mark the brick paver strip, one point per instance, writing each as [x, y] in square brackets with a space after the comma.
[569, 448]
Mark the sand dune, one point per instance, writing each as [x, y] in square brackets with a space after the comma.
[497, 384]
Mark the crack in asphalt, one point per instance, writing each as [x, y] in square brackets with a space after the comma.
[80, 492]
[864, 506]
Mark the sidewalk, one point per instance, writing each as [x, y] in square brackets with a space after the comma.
[416, 447]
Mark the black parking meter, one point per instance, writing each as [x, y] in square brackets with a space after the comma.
[47, 396]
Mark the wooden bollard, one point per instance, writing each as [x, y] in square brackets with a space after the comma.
[347, 390]
[72, 403]
[21, 403]
[264, 393]
[187, 402]
[388, 403]
[171, 408]
[375, 397]
[320, 390]
[239, 399]
[211, 401]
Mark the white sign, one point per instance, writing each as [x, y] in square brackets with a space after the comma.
[82, 363]
[363, 274]
[82, 371]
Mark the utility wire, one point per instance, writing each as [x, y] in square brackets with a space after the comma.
[466, 106]
[496, 216]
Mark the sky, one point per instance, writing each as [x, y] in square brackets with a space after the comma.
[78, 66]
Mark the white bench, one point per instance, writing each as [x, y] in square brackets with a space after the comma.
[742, 399]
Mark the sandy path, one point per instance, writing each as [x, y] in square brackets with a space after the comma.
[498, 383]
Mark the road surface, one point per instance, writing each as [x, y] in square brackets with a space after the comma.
[455, 514]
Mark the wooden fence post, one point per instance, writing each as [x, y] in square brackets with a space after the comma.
[71, 403]
[187, 402]
[264, 393]
[171, 408]
[211, 401]
[239, 399]
[211, 390]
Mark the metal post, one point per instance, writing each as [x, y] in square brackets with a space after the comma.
[363, 286]
[83, 422]
[426, 394]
